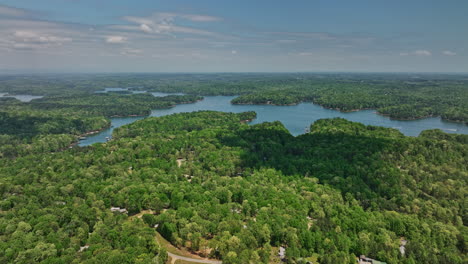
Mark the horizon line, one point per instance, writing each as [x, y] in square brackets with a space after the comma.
[14, 72]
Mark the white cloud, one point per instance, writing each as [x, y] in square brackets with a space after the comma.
[146, 28]
[449, 53]
[131, 52]
[199, 18]
[165, 23]
[25, 46]
[191, 17]
[37, 37]
[234, 51]
[116, 39]
[305, 35]
[138, 20]
[11, 12]
[422, 53]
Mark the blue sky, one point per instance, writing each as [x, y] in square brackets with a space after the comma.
[233, 36]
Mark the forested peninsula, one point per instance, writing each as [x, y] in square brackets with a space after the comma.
[55, 122]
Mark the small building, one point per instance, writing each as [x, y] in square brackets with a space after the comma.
[282, 253]
[83, 248]
[236, 210]
[403, 243]
[119, 210]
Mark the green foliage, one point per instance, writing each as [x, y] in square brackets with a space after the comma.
[222, 188]
[398, 99]
[53, 123]
[109, 104]
[400, 96]
[343, 190]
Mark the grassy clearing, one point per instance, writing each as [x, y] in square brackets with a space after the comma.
[172, 249]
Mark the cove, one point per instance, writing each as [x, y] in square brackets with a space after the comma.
[296, 118]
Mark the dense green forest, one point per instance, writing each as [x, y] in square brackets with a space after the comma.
[236, 192]
[215, 186]
[400, 96]
[53, 123]
[400, 101]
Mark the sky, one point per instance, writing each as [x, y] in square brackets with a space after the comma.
[233, 36]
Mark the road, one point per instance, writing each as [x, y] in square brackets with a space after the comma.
[175, 257]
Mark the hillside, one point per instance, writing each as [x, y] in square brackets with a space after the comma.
[238, 192]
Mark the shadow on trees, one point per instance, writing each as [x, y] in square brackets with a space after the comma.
[352, 163]
[20, 126]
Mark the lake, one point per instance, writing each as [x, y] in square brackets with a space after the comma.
[22, 97]
[296, 118]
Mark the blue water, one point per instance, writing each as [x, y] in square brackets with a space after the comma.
[296, 118]
[157, 94]
[22, 97]
[106, 90]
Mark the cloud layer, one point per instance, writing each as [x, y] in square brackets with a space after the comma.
[449, 53]
[171, 41]
[421, 52]
[116, 39]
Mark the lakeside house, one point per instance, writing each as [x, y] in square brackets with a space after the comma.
[365, 260]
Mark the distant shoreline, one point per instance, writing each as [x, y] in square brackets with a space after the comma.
[355, 110]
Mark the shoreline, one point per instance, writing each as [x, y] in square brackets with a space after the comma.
[88, 133]
[94, 132]
[247, 121]
[251, 103]
[149, 112]
[357, 110]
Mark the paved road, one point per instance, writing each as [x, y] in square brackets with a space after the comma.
[174, 256]
[206, 261]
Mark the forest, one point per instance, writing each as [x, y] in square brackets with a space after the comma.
[239, 193]
[55, 122]
[399, 96]
[211, 185]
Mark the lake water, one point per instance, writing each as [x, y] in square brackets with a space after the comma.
[296, 118]
[106, 90]
[23, 97]
[156, 94]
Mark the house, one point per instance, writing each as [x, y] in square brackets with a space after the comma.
[282, 253]
[403, 243]
[83, 248]
[365, 260]
[236, 210]
[118, 209]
